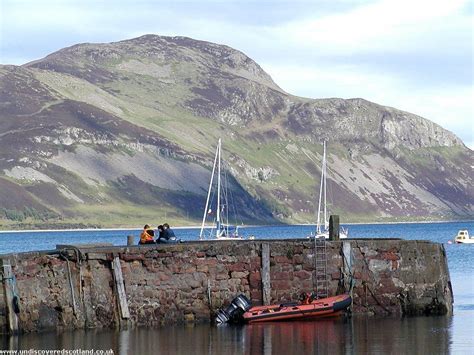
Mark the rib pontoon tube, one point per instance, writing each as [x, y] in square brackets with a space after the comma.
[321, 308]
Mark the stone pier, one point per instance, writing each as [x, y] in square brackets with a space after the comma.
[109, 287]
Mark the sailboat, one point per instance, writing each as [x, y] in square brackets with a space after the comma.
[322, 224]
[222, 230]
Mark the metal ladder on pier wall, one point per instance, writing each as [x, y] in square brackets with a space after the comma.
[320, 279]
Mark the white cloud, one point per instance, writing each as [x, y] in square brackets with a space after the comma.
[377, 25]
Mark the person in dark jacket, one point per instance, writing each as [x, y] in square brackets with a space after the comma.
[169, 234]
[166, 234]
[161, 235]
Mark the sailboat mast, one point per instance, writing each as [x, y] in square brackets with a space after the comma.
[318, 223]
[325, 184]
[218, 216]
[206, 209]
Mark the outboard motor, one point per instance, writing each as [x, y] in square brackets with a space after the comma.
[237, 307]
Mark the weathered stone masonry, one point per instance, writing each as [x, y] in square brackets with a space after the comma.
[190, 281]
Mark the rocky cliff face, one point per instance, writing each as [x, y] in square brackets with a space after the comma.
[121, 132]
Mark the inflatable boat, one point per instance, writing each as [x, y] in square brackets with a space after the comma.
[308, 309]
[241, 310]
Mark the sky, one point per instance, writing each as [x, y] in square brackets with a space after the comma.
[415, 55]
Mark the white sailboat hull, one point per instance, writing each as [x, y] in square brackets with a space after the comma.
[217, 239]
[230, 238]
[342, 235]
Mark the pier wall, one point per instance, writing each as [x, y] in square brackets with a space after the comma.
[188, 282]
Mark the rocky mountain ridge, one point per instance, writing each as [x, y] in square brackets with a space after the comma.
[117, 133]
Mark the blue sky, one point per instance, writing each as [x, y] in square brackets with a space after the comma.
[413, 55]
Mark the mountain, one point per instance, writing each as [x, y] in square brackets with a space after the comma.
[124, 133]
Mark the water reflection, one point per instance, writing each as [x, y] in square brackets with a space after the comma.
[429, 335]
[325, 336]
[357, 335]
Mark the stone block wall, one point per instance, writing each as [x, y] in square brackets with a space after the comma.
[190, 281]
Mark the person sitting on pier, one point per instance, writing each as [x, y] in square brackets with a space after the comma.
[169, 234]
[166, 234]
[161, 235]
[147, 235]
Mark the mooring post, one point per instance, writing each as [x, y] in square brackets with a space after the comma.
[11, 298]
[130, 240]
[119, 286]
[265, 273]
[334, 227]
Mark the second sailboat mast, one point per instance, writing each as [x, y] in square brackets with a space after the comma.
[218, 216]
[325, 183]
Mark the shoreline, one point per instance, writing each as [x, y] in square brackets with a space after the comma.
[411, 222]
[198, 226]
[85, 230]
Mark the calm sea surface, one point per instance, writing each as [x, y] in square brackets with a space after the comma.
[360, 335]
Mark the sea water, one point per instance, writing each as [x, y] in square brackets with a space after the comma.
[417, 335]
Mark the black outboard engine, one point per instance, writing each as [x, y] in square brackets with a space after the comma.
[237, 307]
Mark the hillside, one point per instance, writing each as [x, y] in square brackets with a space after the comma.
[123, 133]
